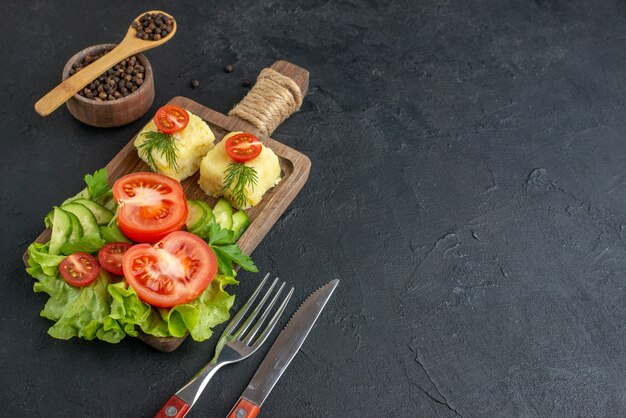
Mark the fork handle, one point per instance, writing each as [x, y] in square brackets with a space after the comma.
[173, 408]
[244, 409]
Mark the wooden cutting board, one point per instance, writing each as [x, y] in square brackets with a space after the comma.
[294, 165]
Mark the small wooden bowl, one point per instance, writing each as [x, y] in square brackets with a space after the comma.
[118, 112]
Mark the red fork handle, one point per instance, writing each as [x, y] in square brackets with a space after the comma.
[244, 409]
[173, 408]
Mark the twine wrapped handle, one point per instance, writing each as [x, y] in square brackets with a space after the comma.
[277, 93]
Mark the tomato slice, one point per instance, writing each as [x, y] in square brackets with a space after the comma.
[110, 257]
[174, 271]
[171, 119]
[79, 269]
[151, 206]
[243, 147]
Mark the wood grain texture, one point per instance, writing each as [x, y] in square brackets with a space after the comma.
[295, 168]
[108, 114]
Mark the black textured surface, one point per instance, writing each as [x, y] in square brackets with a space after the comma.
[468, 188]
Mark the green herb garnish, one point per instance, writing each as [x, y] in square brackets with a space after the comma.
[238, 177]
[160, 142]
[227, 254]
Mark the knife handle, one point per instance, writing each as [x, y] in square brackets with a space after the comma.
[244, 409]
[173, 408]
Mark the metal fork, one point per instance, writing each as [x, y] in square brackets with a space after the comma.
[239, 343]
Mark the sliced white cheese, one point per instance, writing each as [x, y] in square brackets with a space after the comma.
[215, 163]
[193, 143]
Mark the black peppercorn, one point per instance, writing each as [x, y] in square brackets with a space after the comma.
[153, 26]
[195, 83]
[245, 83]
[117, 82]
[228, 69]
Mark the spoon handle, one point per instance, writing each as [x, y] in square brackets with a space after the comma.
[72, 85]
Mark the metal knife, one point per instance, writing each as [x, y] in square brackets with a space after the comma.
[282, 352]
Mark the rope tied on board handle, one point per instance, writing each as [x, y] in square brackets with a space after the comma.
[273, 99]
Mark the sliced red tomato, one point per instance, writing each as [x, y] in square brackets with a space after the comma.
[171, 119]
[150, 206]
[110, 257]
[243, 147]
[174, 271]
[79, 269]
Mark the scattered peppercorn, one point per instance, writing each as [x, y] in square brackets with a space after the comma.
[228, 69]
[245, 83]
[195, 83]
[153, 26]
[115, 83]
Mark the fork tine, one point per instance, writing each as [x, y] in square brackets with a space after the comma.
[261, 320]
[244, 327]
[235, 321]
[273, 321]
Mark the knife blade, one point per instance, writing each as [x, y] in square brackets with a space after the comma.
[282, 352]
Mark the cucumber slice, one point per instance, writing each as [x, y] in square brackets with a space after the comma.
[61, 230]
[103, 215]
[195, 214]
[85, 217]
[77, 229]
[223, 212]
[209, 212]
[241, 221]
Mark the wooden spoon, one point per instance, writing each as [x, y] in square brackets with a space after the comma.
[130, 45]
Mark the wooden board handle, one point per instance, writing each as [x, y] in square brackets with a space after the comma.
[277, 94]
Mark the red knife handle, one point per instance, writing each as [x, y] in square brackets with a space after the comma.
[244, 409]
[173, 408]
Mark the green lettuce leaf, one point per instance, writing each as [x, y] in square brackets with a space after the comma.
[85, 244]
[198, 317]
[61, 294]
[157, 324]
[82, 312]
[127, 308]
[38, 258]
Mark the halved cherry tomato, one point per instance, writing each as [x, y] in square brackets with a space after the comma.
[243, 147]
[173, 271]
[110, 257]
[150, 206]
[79, 269]
[171, 119]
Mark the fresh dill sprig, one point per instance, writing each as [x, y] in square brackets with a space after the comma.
[238, 177]
[159, 142]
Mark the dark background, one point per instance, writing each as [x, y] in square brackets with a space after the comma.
[468, 188]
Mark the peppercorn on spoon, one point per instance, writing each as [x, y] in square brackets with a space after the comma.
[130, 45]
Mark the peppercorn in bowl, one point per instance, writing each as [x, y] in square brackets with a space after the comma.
[121, 95]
